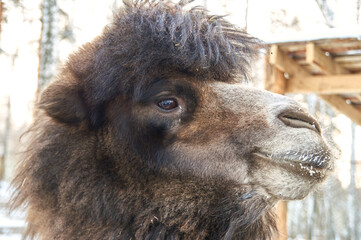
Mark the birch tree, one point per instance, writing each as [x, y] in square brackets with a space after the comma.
[1, 15]
[358, 5]
[48, 57]
[246, 17]
[327, 12]
[351, 205]
[4, 140]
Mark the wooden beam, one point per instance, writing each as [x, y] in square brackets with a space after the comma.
[334, 82]
[340, 104]
[325, 84]
[354, 66]
[329, 45]
[301, 81]
[284, 63]
[275, 80]
[317, 58]
[297, 82]
[347, 58]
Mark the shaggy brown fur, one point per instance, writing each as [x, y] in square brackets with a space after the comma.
[146, 135]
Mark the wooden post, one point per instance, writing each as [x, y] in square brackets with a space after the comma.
[281, 210]
[276, 82]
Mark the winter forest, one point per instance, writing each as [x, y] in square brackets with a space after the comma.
[36, 36]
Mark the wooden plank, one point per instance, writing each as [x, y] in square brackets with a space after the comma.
[340, 47]
[328, 45]
[334, 81]
[274, 79]
[281, 210]
[276, 57]
[352, 98]
[301, 62]
[283, 62]
[351, 65]
[348, 59]
[317, 58]
[340, 104]
[325, 84]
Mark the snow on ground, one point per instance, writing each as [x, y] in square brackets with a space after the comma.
[10, 237]
[11, 225]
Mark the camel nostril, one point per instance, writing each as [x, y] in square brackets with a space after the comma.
[299, 120]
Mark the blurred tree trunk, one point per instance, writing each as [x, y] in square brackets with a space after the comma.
[3, 150]
[358, 5]
[327, 12]
[246, 17]
[205, 4]
[352, 189]
[1, 15]
[4, 140]
[48, 58]
[329, 130]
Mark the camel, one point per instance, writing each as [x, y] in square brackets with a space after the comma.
[151, 132]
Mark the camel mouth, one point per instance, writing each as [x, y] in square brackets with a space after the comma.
[311, 164]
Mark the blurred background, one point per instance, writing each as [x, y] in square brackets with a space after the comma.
[36, 36]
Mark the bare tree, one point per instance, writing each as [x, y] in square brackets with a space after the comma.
[1, 15]
[327, 12]
[48, 58]
[246, 17]
[282, 22]
[352, 189]
[4, 140]
[358, 5]
[205, 3]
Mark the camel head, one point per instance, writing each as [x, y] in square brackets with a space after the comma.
[174, 94]
[149, 132]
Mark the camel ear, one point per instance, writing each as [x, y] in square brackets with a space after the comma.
[64, 104]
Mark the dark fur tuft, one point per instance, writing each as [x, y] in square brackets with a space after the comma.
[166, 36]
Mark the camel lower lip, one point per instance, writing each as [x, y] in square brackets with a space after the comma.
[317, 161]
[303, 168]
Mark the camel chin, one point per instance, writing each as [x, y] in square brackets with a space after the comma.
[293, 174]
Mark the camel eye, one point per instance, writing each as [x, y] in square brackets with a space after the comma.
[168, 104]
